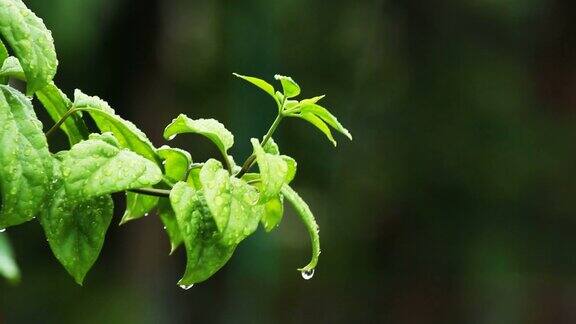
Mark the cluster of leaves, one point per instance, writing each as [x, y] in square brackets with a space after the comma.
[208, 207]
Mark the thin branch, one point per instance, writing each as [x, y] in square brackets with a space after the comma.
[152, 192]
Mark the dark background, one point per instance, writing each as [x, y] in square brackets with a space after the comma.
[455, 203]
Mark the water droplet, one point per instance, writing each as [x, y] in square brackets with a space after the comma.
[145, 214]
[2, 230]
[308, 274]
[171, 137]
[186, 287]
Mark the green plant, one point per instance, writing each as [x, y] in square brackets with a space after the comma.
[208, 207]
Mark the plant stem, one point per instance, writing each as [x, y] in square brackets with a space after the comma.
[250, 160]
[227, 161]
[61, 121]
[152, 192]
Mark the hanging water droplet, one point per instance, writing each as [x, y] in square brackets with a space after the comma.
[186, 287]
[308, 274]
[145, 214]
[2, 230]
[171, 137]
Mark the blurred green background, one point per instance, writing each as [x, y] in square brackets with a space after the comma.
[453, 204]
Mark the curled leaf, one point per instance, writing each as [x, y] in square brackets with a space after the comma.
[307, 218]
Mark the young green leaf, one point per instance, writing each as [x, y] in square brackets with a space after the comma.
[291, 89]
[170, 224]
[273, 212]
[57, 105]
[176, 162]
[307, 218]
[210, 128]
[273, 171]
[75, 229]
[98, 166]
[8, 266]
[11, 69]
[128, 135]
[244, 212]
[3, 52]
[26, 165]
[215, 182]
[31, 41]
[204, 252]
[138, 206]
[267, 87]
[321, 125]
[326, 116]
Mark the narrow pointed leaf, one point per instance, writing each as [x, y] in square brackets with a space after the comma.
[8, 266]
[57, 105]
[205, 253]
[291, 89]
[98, 166]
[327, 117]
[25, 163]
[75, 229]
[267, 87]
[307, 218]
[321, 125]
[31, 41]
[273, 171]
[210, 128]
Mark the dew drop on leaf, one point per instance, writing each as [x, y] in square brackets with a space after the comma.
[308, 274]
[186, 287]
[2, 230]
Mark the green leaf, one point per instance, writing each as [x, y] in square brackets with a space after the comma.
[326, 116]
[128, 135]
[232, 202]
[273, 171]
[312, 100]
[245, 213]
[25, 163]
[8, 266]
[271, 147]
[316, 121]
[210, 128]
[170, 224]
[11, 69]
[57, 105]
[291, 89]
[3, 52]
[216, 184]
[205, 253]
[273, 212]
[292, 167]
[138, 206]
[307, 218]
[267, 87]
[75, 229]
[98, 166]
[31, 41]
[176, 162]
